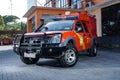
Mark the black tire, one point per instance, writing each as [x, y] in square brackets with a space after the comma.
[92, 52]
[70, 56]
[29, 60]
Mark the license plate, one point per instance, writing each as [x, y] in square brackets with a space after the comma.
[29, 55]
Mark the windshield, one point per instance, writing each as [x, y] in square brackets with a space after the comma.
[58, 26]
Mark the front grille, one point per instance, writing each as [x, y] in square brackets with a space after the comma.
[31, 42]
[38, 41]
[51, 45]
[33, 39]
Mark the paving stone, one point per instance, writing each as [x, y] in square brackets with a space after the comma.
[106, 66]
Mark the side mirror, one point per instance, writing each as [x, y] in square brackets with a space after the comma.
[46, 28]
[79, 29]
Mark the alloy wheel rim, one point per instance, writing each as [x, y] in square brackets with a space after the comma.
[70, 56]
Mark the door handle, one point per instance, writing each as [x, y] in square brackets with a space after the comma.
[89, 34]
[84, 34]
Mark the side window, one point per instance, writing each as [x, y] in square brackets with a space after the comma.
[85, 27]
[79, 27]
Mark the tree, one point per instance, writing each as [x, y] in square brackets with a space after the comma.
[23, 26]
[2, 25]
[11, 22]
[10, 18]
[15, 26]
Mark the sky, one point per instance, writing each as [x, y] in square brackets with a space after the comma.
[19, 8]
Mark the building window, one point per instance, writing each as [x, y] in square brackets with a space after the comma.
[89, 4]
[111, 20]
[48, 3]
[48, 17]
[64, 4]
[76, 4]
[73, 4]
[58, 3]
[33, 23]
[61, 4]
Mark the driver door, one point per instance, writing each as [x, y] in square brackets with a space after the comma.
[80, 36]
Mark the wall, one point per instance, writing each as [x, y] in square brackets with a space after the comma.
[97, 13]
[29, 22]
[99, 1]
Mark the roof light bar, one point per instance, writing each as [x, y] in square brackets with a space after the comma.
[66, 18]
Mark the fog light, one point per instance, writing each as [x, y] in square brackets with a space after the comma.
[16, 45]
[50, 50]
[38, 51]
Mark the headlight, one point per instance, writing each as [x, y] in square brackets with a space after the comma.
[17, 45]
[56, 38]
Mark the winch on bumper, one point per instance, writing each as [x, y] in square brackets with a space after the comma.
[36, 51]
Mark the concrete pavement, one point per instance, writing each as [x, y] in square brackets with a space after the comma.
[106, 66]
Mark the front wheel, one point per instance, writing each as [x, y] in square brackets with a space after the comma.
[29, 60]
[70, 57]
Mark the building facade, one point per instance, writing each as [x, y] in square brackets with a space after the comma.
[31, 3]
[74, 4]
[107, 13]
[35, 14]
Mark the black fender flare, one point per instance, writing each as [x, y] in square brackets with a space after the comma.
[93, 41]
[67, 41]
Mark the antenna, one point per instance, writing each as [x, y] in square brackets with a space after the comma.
[11, 6]
[39, 3]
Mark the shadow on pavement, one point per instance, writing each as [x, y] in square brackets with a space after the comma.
[53, 62]
[49, 62]
[104, 59]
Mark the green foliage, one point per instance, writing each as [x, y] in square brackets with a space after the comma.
[1, 23]
[23, 26]
[15, 26]
[10, 18]
[9, 22]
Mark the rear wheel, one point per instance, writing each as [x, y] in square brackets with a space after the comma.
[92, 51]
[29, 60]
[70, 56]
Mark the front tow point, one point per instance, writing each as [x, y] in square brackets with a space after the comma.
[50, 50]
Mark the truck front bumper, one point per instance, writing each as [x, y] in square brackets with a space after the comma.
[44, 51]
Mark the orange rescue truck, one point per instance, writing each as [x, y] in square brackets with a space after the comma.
[62, 39]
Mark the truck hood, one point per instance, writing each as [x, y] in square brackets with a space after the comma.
[42, 33]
